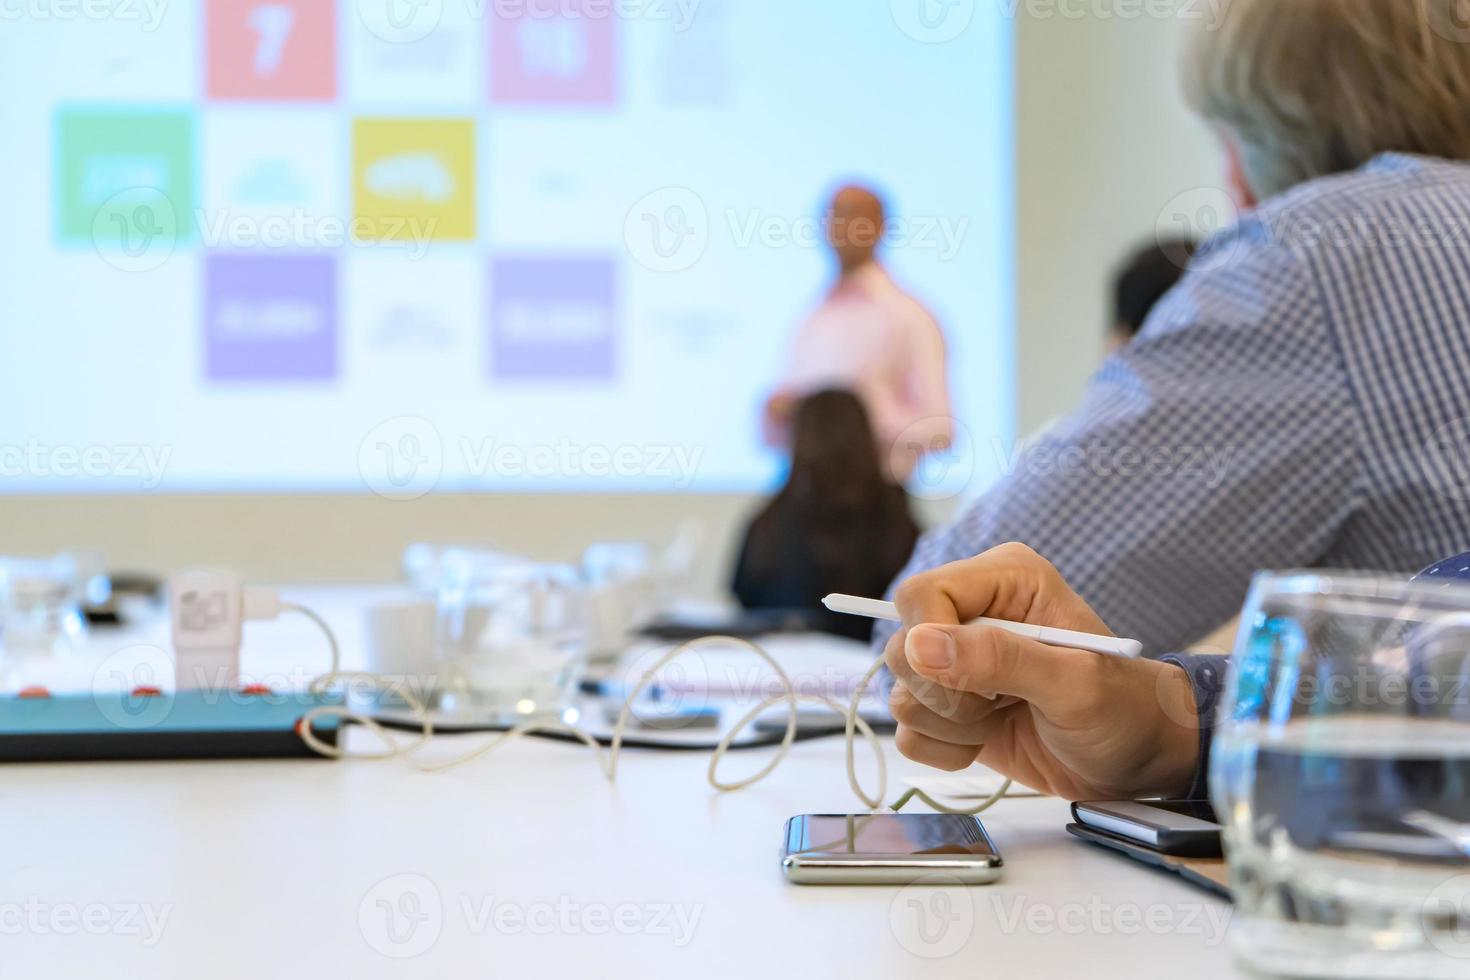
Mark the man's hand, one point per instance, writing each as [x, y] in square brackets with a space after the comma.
[1075, 724]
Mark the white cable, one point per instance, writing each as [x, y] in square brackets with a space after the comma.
[322, 623]
[394, 748]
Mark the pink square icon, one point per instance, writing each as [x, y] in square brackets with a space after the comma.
[554, 52]
[270, 49]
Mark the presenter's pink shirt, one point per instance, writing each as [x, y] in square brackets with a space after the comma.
[870, 337]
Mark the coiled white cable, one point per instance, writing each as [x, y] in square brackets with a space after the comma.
[322, 625]
[394, 748]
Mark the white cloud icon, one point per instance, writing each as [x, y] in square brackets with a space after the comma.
[410, 177]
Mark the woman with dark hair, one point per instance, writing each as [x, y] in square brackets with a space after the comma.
[839, 524]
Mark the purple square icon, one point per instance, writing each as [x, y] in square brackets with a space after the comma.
[553, 319]
[270, 318]
[554, 52]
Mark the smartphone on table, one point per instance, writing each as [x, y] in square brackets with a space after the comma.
[1182, 828]
[888, 849]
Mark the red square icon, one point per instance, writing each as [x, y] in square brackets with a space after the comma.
[271, 49]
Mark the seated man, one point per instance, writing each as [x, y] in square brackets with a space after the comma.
[1297, 400]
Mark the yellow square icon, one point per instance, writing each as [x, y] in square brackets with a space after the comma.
[413, 180]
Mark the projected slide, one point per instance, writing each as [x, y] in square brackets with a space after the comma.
[452, 245]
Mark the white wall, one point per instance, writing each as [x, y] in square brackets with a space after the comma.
[1103, 143]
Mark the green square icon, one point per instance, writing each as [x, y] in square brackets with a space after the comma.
[126, 180]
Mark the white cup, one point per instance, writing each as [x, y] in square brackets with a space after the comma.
[400, 642]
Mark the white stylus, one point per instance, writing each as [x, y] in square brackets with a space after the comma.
[1112, 646]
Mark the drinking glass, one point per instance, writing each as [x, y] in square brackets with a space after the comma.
[1341, 771]
[622, 594]
[427, 566]
[40, 615]
[511, 640]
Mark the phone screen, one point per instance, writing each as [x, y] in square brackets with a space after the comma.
[890, 834]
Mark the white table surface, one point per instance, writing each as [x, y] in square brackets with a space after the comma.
[527, 863]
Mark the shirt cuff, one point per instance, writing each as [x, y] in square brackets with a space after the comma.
[1207, 676]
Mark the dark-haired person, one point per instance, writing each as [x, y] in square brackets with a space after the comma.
[1145, 276]
[839, 524]
[1289, 403]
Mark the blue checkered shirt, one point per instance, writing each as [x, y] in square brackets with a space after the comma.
[1300, 399]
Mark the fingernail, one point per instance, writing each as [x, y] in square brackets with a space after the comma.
[930, 648]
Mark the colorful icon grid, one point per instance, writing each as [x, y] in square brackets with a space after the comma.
[275, 180]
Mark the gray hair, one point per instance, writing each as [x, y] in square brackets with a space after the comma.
[1306, 88]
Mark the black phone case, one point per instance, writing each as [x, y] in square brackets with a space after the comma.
[1206, 873]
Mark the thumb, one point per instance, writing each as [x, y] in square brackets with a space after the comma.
[986, 660]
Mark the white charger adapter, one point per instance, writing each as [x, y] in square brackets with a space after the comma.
[207, 608]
